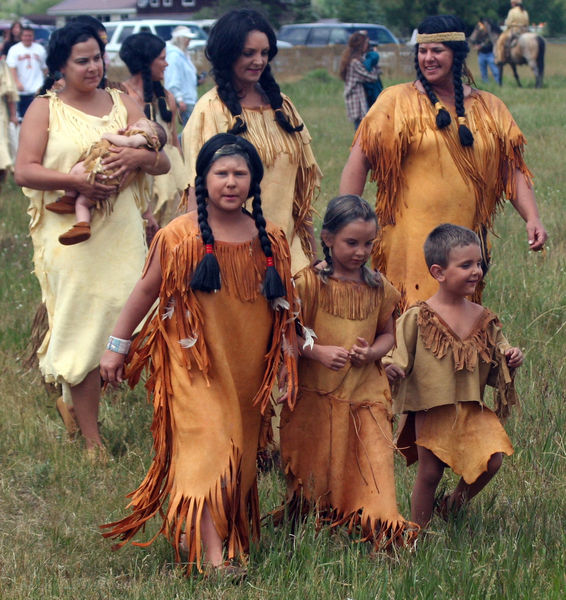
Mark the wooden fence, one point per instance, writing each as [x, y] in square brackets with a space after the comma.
[293, 63]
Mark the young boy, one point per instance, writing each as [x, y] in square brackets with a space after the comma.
[141, 133]
[448, 349]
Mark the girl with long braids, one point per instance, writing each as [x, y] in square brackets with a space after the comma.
[144, 55]
[223, 326]
[337, 445]
[247, 102]
[440, 151]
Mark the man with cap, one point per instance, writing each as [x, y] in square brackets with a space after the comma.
[181, 77]
[517, 22]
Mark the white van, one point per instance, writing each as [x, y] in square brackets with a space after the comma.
[118, 31]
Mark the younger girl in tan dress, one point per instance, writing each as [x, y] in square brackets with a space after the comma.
[448, 350]
[337, 446]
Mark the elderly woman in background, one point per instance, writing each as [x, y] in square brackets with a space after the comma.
[85, 286]
[440, 151]
[354, 74]
[144, 55]
[247, 101]
[181, 78]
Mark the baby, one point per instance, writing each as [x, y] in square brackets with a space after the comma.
[141, 133]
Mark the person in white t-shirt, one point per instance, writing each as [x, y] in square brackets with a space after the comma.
[26, 60]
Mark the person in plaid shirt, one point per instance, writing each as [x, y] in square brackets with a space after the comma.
[354, 74]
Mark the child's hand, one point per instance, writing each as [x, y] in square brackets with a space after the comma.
[394, 373]
[514, 357]
[361, 353]
[112, 367]
[332, 357]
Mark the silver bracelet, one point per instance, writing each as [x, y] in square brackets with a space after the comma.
[117, 345]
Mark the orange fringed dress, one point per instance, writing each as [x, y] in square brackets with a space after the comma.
[336, 446]
[291, 175]
[212, 359]
[425, 177]
[446, 377]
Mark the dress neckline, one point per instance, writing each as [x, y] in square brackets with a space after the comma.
[105, 117]
[477, 323]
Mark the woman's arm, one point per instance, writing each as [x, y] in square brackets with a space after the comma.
[355, 172]
[525, 204]
[138, 304]
[125, 160]
[29, 170]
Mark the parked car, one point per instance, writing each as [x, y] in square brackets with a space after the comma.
[118, 31]
[324, 34]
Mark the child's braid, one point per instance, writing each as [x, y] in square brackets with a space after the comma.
[272, 285]
[206, 277]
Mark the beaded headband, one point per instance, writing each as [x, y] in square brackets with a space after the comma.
[445, 36]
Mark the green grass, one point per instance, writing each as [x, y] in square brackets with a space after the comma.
[510, 543]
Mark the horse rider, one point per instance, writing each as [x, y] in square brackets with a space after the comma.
[517, 22]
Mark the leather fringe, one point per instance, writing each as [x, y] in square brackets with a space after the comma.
[149, 352]
[504, 394]
[386, 150]
[383, 535]
[439, 338]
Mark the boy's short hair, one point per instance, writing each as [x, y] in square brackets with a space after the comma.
[444, 238]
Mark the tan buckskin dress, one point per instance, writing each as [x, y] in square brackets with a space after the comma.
[212, 359]
[337, 445]
[446, 377]
[425, 177]
[291, 176]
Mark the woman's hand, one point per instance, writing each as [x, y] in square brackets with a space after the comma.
[112, 367]
[122, 161]
[536, 234]
[95, 191]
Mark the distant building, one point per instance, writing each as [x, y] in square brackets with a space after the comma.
[118, 10]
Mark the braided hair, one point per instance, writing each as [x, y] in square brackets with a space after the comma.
[60, 47]
[206, 277]
[225, 44]
[443, 24]
[341, 211]
[138, 52]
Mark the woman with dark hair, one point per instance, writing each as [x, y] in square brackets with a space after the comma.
[213, 347]
[247, 101]
[13, 37]
[440, 151]
[354, 74]
[83, 286]
[144, 55]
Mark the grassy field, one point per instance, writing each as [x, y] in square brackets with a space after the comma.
[510, 543]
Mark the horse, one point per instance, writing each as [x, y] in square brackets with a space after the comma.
[528, 49]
